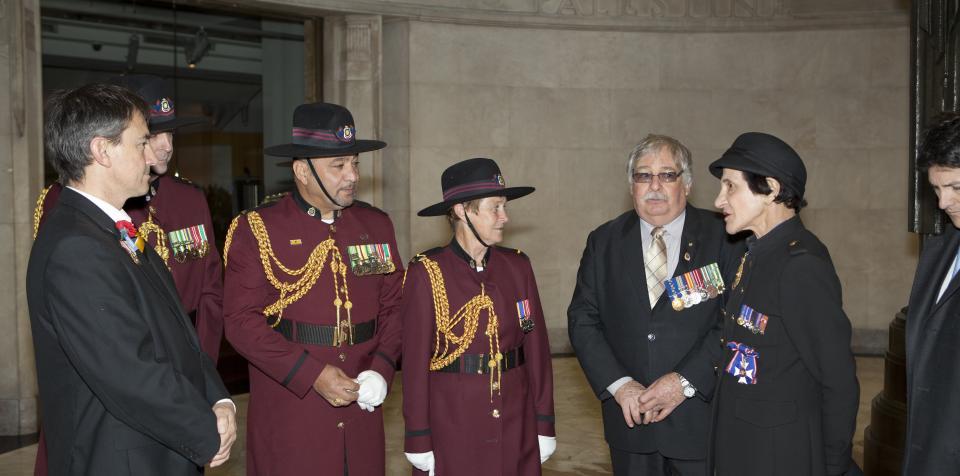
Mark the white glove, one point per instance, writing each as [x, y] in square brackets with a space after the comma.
[422, 461]
[373, 389]
[548, 444]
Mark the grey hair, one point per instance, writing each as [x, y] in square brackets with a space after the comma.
[654, 142]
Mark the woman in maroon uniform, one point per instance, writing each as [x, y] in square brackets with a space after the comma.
[477, 378]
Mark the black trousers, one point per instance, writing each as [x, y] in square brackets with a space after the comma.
[654, 464]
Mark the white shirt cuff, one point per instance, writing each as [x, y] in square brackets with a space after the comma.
[613, 387]
[227, 400]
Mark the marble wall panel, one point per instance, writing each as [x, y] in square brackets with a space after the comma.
[9, 366]
[555, 117]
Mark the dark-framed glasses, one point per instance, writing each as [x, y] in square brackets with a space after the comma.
[647, 177]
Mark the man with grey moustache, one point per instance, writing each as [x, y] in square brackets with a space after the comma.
[645, 315]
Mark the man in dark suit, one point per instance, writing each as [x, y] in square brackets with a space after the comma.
[648, 349]
[124, 386]
[933, 319]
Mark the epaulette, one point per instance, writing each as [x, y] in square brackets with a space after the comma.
[425, 254]
[363, 204]
[267, 202]
[796, 248]
[513, 251]
[184, 181]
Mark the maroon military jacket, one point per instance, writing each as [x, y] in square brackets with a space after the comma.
[453, 414]
[291, 429]
[178, 205]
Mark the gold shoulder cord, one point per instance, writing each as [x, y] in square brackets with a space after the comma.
[469, 314]
[38, 211]
[229, 240]
[150, 226]
[308, 274]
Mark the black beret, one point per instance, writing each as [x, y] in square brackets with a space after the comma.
[766, 155]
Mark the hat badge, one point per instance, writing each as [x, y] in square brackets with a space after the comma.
[345, 133]
[165, 105]
[499, 180]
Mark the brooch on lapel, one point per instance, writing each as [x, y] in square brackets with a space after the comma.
[127, 234]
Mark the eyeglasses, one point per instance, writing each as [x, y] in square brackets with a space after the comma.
[646, 177]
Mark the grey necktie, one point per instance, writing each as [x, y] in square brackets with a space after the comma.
[655, 260]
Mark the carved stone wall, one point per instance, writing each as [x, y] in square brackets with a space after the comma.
[20, 176]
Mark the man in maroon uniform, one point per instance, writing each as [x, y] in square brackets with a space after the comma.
[477, 377]
[311, 289]
[173, 217]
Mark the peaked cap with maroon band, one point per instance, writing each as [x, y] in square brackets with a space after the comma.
[159, 97]
[323, 130]
[469, 180]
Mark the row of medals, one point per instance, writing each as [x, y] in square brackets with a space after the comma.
[704, 283]
[374, 266]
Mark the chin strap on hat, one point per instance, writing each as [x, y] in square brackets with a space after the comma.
[470, 225]
[325, 192]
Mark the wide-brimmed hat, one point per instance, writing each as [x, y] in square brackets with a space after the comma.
[469, 180]
[766, 155]
[158, 93]
[323, 130]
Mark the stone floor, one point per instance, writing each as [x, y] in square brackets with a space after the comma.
[580, 449]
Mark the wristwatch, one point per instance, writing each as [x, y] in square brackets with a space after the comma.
[687, 387]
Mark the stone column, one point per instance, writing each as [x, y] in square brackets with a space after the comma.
[352, 77]
[21, 176]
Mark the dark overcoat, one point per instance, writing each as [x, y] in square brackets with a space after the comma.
[799, 414]
[124, 386]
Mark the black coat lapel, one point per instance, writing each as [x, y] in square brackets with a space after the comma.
[73, 199]
[942, 267]
[690, 241]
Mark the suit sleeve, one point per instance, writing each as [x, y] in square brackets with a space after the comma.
[536, 349]
[586, 328]
[246, 293]
[700, 365]
[387, 356]
[210, 306]
[96, 312]
[416, 310]
[811, 298]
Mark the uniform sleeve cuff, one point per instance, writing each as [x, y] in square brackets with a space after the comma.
[303, 374]
[418, 441]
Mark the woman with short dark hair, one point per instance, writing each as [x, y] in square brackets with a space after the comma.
[788, 395]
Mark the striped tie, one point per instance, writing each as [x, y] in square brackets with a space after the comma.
[655, 260]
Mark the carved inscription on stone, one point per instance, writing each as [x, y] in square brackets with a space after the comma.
[743, 9]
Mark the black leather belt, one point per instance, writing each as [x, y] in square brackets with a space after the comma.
[480, 363]
[314, 334]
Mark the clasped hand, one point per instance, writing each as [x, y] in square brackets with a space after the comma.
[645, 405]
[369, 389]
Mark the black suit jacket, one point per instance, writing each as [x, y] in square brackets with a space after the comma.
[933, 362]
[615, 333]
[799, 416]
[124, 387]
